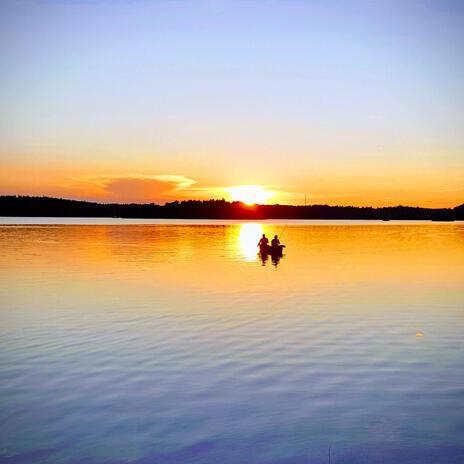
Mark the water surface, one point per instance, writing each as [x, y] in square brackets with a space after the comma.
[175, 343]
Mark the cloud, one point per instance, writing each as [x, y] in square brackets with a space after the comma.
[136, 187]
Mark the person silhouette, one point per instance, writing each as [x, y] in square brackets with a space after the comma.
[263, 242]
[275, 242]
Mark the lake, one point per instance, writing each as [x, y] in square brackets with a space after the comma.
[155, 342]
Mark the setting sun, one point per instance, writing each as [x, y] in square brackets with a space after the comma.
[250, 194]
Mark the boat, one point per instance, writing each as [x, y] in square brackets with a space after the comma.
[271, 250]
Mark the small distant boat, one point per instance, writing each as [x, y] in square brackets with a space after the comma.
[385, 219]
[271, 250]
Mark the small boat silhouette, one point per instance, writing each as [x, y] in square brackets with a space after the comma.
[271, 250]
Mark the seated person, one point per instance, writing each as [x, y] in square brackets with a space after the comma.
[264, 241]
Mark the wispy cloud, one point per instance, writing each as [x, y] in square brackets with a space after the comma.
[136, 187]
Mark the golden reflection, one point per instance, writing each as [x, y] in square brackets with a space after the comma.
[248, 237]
[375, 264]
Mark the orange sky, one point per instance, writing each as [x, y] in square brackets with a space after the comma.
[377, 185]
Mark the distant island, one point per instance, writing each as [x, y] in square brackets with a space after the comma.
[13, 205]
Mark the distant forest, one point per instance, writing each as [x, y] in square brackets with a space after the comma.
[214, 209]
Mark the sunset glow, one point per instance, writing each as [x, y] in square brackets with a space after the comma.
[250, 194]
[232, 231]
[201, 102]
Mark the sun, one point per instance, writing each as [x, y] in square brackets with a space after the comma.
[250, 194]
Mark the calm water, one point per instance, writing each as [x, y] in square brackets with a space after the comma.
[155, 343]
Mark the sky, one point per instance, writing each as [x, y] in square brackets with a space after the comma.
[335, 102]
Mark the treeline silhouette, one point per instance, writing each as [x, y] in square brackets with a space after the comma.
[13, 205]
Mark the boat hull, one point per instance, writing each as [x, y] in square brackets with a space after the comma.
[271, 250]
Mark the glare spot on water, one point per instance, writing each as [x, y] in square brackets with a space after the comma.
[248, 238]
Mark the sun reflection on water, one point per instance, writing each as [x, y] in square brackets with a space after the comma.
[248, 238]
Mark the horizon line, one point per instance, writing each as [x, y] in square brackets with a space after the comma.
[246, 205]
